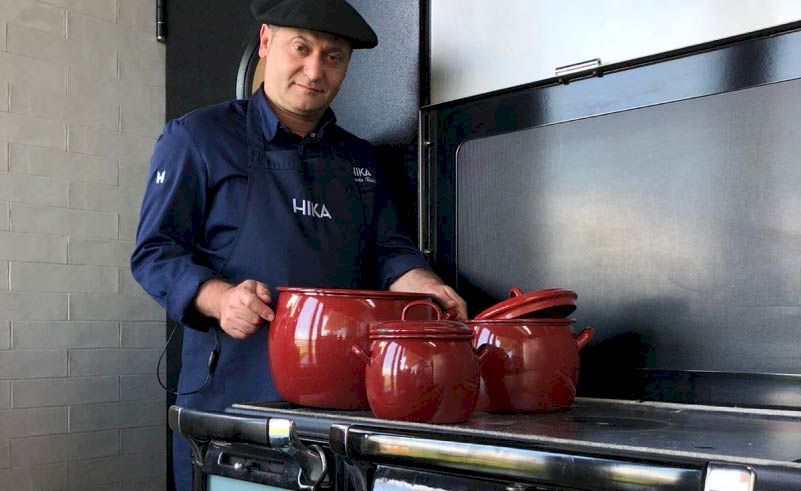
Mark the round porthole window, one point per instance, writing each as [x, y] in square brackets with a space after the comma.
[251, 70]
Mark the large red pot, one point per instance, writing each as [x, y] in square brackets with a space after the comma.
[310, 342]
[531, 365]
[423, 371]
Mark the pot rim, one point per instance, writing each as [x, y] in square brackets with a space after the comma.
[423, 336]
[345, 292]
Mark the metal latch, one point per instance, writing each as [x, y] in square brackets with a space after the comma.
[726, 477]
[577, 67]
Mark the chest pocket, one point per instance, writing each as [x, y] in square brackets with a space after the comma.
[365, 179]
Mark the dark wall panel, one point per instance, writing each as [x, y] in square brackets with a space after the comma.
[205, 42]
[379, 98]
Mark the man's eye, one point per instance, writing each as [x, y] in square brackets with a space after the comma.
[299, 48]
[335, 58]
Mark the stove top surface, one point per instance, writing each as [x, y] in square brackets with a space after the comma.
[677, 430]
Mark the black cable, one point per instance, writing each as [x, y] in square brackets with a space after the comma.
[214, 356]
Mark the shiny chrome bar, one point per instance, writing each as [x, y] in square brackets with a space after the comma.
[504, 462]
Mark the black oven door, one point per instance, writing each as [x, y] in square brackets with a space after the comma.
[232, 466]
[239, 453]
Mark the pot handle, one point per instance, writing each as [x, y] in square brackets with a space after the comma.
[515, 292]
[582, 338]
[421, 302]
[482, 352]
[363, 355]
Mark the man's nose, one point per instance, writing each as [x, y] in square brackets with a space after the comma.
[313, 68]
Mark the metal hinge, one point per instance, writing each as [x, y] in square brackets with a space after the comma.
[161, 20]
[423, 186]
[726, 477]
[591, 66]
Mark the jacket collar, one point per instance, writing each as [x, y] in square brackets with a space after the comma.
[270, 122]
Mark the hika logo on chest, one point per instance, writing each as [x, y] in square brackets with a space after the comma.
[363, 174]
[310, 209]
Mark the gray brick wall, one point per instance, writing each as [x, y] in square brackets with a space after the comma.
[82, 98]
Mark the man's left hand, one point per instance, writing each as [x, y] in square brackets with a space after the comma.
[420, 280]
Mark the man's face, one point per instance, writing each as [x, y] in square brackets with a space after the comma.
[303, 70]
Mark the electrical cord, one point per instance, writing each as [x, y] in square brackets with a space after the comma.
[214, 356]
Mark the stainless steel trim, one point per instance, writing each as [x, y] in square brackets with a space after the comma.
[545, 467]
[280, 432]
[784, 413]
[726, 477]
[421, 188]
[577, 67]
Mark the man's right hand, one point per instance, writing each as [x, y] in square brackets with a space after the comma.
[241, 309]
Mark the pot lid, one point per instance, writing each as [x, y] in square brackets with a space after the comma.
[440, 329]
[553, 303]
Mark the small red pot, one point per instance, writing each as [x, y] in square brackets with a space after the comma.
[425, 371]
[531, 365]
[311, 336]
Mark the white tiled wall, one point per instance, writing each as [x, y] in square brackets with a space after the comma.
[81, 103]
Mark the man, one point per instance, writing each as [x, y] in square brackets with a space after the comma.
[249, 195]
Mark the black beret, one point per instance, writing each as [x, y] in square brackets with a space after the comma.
[335, 17]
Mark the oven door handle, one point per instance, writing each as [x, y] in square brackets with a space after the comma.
[201, 427]
[516, 464]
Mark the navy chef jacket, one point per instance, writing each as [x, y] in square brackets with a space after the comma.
[196, 198]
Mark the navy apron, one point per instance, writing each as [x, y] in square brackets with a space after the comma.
[304, 225]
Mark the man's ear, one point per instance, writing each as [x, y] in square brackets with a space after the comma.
[264, 40]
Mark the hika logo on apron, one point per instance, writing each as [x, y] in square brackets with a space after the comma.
[310, 209]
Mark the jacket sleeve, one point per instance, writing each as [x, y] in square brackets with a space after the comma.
[396, 254]
[171, 222]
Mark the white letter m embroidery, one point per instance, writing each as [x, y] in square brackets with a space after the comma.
[160, 176]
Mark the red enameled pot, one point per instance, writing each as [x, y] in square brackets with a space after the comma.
[422, 371]
[311, 336]
[531, 365]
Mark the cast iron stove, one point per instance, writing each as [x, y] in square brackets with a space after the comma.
[596, 445]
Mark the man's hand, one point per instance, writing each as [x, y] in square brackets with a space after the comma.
[424, 281]
[241, 309]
